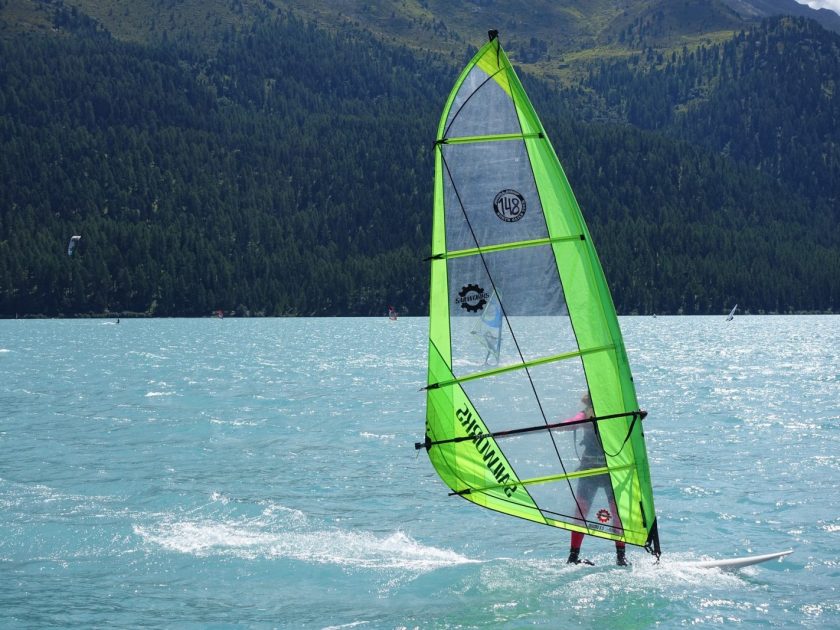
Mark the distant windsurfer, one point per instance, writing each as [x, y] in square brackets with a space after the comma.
[71, 246]
[587, 487]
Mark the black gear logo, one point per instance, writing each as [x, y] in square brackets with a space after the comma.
[472, 293]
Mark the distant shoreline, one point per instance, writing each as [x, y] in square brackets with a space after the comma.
[233, 315]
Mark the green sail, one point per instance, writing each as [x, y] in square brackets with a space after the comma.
[509, 235]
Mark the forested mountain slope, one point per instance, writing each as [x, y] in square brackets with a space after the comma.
[768, 98]
[290, 172]
[288, 175]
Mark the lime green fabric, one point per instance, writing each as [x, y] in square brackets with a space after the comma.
[477, 468]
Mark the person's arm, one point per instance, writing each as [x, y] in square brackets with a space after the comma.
[580, 415]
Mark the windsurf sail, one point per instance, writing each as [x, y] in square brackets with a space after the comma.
[514, 436]
[731, 315]
[488, 330]
[71, 246]
[392, 313]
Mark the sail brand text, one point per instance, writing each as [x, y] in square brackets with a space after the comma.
[492, 460]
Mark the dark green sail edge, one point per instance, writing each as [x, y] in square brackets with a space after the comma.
[476, 468]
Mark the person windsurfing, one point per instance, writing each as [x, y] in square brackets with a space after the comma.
[587, 487]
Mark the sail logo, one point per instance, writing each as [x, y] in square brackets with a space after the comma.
[472, 298]
[509, 205]
[484, 446]
[603, 515]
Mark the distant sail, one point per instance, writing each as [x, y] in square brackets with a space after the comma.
[731, 315]
[488, 329]
[392, 313]
[71, 246]
[511, 437]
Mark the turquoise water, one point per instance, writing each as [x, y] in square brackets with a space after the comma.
[262, 473]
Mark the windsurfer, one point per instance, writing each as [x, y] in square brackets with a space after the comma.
[592, 457]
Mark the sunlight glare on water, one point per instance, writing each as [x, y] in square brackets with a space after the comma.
[262, 472]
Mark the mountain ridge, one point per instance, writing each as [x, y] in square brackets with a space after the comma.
[549, 38]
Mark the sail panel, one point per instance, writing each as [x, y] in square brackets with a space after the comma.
[471, 463]
[491, 195]
[503, 272]
[482, 102]
[507, 230]
[524, 398]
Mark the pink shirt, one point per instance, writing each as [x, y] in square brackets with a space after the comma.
[579, 416]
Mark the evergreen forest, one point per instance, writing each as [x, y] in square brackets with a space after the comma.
[290, 172]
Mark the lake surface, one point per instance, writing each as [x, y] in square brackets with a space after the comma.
[262, 473]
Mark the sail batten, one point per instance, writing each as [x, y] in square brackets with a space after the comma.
[519, 366]
[486, 249]
[550, 479]
[489, 138]
[530, 404]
